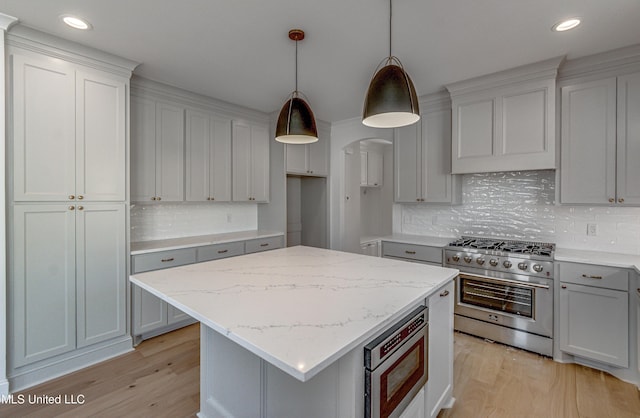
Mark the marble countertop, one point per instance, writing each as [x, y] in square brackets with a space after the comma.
[601, 258]
[299, 308]
[418, 239]
[144, 247]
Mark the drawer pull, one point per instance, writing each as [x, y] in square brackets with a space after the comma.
[409, 252]
[222, 251]
[588, 276]
[166, 260]
[445, 293]
[264, 245]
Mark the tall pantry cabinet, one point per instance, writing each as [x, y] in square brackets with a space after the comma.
[68, 171]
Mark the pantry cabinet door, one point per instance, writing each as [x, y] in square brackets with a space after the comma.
[100, 137]
[628, 139]
[43, 103]
[101, 272]
[42, 284]
[588, 150]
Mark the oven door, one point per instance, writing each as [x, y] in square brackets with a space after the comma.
[519, 302]
[392, 385]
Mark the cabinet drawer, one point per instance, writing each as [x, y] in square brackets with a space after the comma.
[591, 275]
[163, 260]
[263, 244]
[412, 252]
[217, 251]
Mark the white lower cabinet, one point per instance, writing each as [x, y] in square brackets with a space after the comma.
[416, 407]
[68, 281]
[440, 384]
[594, 313]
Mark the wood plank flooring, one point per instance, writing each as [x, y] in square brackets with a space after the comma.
[161, 379]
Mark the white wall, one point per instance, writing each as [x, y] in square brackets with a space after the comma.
[376, 203]
[152, 222]
[342, 134]
[520, 205]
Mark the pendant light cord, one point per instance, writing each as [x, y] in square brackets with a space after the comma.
[390, 15]
[296, 90]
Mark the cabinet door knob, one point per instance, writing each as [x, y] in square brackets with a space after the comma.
[213, 198]
[80, 197]
[71, 197]
[80, 207]
[445, 293]
[159, 198]
[621, 200]
[563, 286]
[611, 200]
[208, 198]
[153, 198]
[72, 207]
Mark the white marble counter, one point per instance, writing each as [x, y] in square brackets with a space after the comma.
[601, 258]
[419, 240]
[299, 308]
[144, 247]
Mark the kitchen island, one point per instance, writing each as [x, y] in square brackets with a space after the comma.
[282, 332]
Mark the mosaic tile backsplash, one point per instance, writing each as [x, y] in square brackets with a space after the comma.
[520, 205]
[152, 222]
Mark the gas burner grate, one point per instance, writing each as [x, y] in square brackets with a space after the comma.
[509, 246]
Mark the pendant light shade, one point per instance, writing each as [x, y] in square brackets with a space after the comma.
[296, 123]
[391, 100]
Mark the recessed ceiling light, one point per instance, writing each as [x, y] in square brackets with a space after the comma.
[75, 22]
[566, 25]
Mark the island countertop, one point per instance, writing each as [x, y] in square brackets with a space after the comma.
[299, 308]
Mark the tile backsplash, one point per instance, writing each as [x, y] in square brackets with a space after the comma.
[520, 205]
[152, 222]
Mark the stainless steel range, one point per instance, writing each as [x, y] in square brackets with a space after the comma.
[504, 291]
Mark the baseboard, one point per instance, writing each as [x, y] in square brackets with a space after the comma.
[46, 370]
[4, 387]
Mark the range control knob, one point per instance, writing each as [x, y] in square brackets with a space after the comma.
[537, 268]
[523, 266]
[507, 264]
[456, 258]
[467, 259]
[493, 262]
[480, 260]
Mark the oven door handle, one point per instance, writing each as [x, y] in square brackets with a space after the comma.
[496, 280]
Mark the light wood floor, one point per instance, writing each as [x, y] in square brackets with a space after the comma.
[161, 379]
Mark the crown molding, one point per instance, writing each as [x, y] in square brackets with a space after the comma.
[7, 21]
[618, 61]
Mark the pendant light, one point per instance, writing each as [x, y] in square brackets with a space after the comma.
[296, 124]
[391, 99]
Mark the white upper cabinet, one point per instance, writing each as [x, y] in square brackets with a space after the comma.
[309, 159]
[371, 166]
[69, 132]
[157, 151]
[250, 151]
[208, 157]
[600, 143]
[422, 154]
[505, 121]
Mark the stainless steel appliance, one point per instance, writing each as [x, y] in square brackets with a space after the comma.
[396, 366]
[504, 291]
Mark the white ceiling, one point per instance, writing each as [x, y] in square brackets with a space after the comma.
[238, 50]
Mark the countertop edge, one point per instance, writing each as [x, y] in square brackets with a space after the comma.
[627, 261]
[206, 240]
